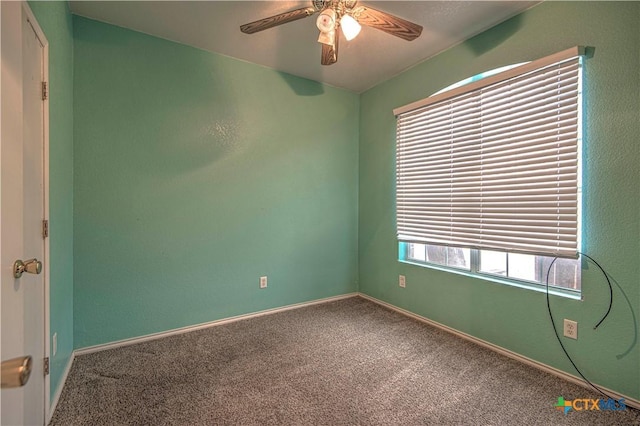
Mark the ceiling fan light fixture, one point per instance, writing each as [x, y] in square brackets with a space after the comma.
[350, 27]
[327, 37]
[326, 20]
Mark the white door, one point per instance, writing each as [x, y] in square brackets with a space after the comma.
[22, 212]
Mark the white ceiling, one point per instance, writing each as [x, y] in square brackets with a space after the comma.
[373, 57]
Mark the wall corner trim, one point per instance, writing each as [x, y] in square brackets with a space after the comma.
[56, 397]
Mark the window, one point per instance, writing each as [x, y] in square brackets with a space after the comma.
[454, 257]
[517, 267]
[488, 173]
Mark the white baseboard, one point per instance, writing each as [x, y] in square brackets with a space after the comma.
[513, 355]
[181, 330]
[63, 380]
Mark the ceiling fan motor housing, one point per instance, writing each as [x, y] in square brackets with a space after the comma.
[340, 6]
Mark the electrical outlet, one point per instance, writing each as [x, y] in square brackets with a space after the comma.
[402, 281]
[570, 329]
[263, 282]
[55, 343]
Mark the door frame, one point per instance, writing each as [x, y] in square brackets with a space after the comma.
[26, 10]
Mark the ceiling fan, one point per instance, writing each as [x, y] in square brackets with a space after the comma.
[334, 14]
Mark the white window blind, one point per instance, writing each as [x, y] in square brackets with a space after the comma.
[494, 164]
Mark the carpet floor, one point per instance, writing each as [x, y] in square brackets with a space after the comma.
[347, 362]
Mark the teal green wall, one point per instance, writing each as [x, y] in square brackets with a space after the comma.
[195, 174]
[56, 22]
[511, 317]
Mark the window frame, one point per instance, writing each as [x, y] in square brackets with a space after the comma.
[475, 272]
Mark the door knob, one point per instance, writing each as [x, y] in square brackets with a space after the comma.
[16, 372]
[32, 266]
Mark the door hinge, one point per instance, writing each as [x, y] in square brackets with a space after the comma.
[46, 366]
[45, 228]
[44, 91]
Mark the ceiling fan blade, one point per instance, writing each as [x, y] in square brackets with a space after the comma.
[329, 55]
[330, 52]
[388, 23]
[274, 21]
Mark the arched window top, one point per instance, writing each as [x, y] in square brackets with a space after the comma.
[478, 77]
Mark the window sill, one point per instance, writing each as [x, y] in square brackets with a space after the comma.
[520, 284]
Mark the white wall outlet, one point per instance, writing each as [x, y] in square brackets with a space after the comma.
[263, 282]
[55, 343]
[402, 281]
[570, 329]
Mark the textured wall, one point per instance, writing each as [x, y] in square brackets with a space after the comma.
[56, 22]
[194, 175]
[511, 317]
